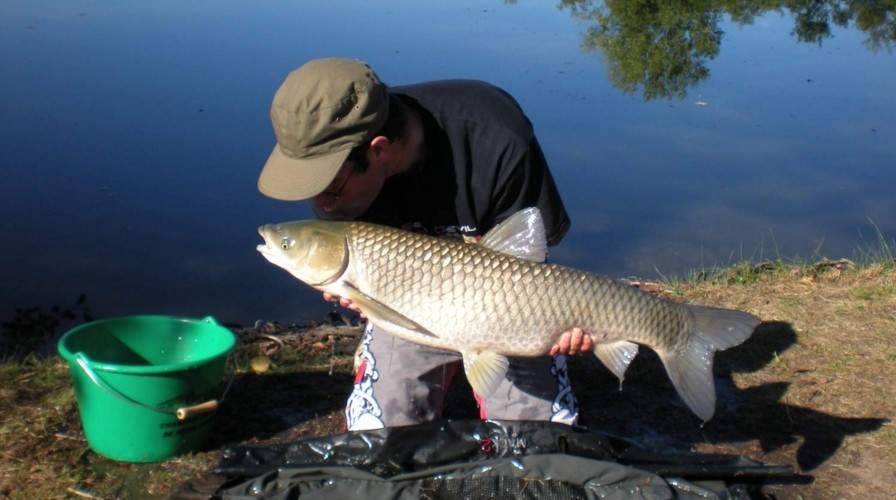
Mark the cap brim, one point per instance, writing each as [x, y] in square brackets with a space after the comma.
[291, 179]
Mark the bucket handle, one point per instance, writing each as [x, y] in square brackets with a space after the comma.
[181, 413]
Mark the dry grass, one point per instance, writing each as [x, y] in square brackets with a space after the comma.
[44, 454]
[839, 374]
[812, 388]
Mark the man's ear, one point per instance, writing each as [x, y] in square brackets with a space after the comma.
[380, 148]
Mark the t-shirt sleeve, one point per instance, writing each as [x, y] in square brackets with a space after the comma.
[483, 160]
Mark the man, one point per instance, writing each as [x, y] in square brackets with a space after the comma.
[451, 158]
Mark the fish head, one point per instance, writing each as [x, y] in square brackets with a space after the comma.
[316, 252]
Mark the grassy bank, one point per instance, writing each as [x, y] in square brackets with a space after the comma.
[812, 388]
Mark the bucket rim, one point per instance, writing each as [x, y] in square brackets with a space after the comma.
[71, 356]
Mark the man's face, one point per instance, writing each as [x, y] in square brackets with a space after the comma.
[351, 193]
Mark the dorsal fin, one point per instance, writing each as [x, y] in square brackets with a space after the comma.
[520, 235]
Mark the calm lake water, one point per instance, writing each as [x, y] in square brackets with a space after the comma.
[132, 134]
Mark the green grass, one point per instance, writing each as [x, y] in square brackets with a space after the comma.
[874, 292]
[880, 251]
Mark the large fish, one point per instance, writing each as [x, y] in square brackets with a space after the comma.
[497, 298]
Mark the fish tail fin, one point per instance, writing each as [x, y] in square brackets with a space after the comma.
[690, 369]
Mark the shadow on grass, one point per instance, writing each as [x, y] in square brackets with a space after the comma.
[648, 410]
[259, 407]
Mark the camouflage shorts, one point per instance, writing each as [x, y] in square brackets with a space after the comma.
[403, 383]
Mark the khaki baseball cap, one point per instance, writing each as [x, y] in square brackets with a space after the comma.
[321, 111]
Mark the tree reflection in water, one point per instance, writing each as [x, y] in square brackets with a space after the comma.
[661, 47]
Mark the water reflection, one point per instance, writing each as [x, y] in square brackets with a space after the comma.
[130, 158]
[662, 46]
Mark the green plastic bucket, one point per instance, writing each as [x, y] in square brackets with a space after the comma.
[147, 385]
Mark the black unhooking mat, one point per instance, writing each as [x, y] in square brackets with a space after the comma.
[483, 460]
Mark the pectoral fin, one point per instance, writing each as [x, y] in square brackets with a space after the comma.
[485, 371]
[617, 356]
[382, 315]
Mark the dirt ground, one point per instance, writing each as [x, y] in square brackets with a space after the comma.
[812, 388]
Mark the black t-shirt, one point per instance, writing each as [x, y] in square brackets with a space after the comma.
[483, 163]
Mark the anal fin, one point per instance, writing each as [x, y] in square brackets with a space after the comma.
[617, 356]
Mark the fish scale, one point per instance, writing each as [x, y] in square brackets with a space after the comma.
[497, 299]
[492, 296]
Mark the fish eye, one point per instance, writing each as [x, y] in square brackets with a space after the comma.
[286, 243]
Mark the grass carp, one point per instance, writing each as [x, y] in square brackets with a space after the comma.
[498, 298]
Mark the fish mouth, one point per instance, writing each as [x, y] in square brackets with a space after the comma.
[274, 256]
[269, 251]
[272, 251]
[265, 250]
